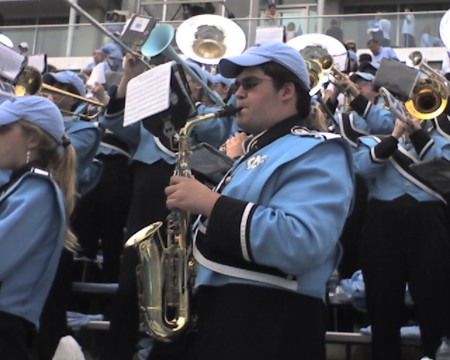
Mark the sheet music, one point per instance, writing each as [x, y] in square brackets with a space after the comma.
[148, 94]
[39, 61]
[97, 75]
[10, 62]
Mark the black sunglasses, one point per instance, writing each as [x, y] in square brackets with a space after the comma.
[249, 83]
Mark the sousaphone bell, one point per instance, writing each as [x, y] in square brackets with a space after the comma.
[323, 55]
[208, 38]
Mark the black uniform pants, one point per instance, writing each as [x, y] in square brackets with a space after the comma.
[405, 241]
[148, 204]
[14, 333]
[243, 322]
[102, 213]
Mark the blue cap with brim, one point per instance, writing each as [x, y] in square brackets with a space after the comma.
[36, 110]
[259, 54]
[364, 65]
[362, 75]
[219, 79]
[68, 77]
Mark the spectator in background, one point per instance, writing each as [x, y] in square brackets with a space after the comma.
[272, 16]
[445, 68]
[290, 31]
[408, 27]
[335, 30]
[98, 57]
[23, 48]
[379, 52]
[114, 22]
[373, 29]
[385, 27]
[428, 40]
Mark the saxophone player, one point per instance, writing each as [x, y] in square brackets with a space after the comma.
[268, 237]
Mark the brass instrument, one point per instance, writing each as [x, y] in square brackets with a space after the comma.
[418, 62]
[29, 82]
[428, 100]
[429, 97]
[166, 272]
[208, 38]
[324, 56]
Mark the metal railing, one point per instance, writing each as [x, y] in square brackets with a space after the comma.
[53, 39]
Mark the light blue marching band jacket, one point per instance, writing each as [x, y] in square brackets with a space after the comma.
[385, 169]
[279, 218]
[85, 138]
[147, 148]
[32, 231]
[366, 119]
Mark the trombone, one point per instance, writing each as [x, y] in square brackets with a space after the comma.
[30, 82]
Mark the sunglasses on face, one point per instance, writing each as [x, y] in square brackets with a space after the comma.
[250, 82]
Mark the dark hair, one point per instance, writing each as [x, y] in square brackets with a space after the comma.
[365, 57]
[271, 5]
[373, 41]
[280, 75]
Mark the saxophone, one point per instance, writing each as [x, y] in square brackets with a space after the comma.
[166, 271]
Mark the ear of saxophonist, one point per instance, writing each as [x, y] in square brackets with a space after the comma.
[166, 271]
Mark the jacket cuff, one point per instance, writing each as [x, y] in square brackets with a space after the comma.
[332, 105]
[384, 149]
[421, 142]
[116, 106]
[361, 105]
[229, 228]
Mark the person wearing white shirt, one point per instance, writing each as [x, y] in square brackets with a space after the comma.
[445, 67]
[408, 27]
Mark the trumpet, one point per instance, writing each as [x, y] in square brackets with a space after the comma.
[418, 62]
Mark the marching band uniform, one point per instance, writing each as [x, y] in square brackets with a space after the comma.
[405, 240]
[264, 242]
[32, 231]
[248, 241]
[152, 165]
[27, 272]
[85, 138]
[364, 118]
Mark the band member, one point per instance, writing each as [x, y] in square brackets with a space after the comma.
[85, 138]
[152, 166]
[34, 209]
[269, 236]
[405, 239]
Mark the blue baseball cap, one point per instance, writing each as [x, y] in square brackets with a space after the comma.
[259, 54]
[220, 79]
[37, 110]
[67, 77]
[362, 75]
[202, 74]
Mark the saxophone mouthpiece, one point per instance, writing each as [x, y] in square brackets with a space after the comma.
[228, 111]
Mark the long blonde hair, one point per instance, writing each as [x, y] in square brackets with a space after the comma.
[60, 161]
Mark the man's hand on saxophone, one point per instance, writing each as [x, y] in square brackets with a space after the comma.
[190, 195]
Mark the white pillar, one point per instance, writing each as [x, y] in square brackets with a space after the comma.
[71, 29]
[253, 13]
[320, 11]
